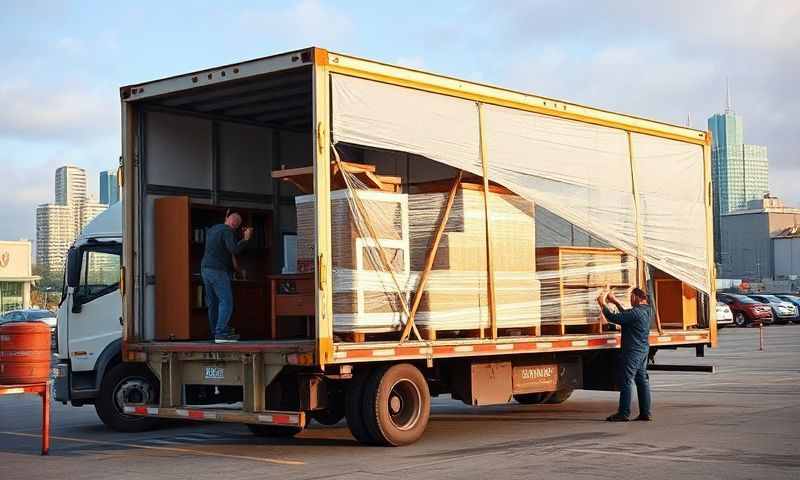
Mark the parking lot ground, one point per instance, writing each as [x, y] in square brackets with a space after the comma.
[742, 422]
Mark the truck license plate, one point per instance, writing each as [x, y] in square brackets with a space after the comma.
[214, 373]
[536, 378]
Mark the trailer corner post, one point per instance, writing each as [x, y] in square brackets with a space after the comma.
[488, 223]
[711, 273]
[129, 195]
[322, 211]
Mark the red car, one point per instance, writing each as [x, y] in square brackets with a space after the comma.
[746, 311]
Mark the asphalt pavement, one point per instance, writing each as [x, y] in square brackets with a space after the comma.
[742, 422]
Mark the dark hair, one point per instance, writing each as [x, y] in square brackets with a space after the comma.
[639, 293]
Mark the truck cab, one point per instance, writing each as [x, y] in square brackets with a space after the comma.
[90, 311]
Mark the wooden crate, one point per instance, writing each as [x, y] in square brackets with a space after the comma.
[571, 278]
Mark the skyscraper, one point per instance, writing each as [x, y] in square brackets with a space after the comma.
[740, 172]
[57, 224]
[109, 190]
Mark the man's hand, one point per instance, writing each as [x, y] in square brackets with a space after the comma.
[248, 232]
[601, 299]
[610, 297]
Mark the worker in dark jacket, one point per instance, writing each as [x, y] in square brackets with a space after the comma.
[635, 323]
[217, 268]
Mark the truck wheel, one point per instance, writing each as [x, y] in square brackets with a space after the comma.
[334, 412]
[559, 396]
[397, 405]
[273, 431]
[127, 383]
[531, 398]
[739, 319]
[354, 411]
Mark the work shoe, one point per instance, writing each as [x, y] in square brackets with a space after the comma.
[644, 418]
[617, 418]
[226, 338]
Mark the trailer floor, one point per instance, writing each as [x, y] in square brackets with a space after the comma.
[743, 422]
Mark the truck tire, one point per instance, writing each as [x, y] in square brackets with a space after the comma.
[531, 398]
[354, 409]
[334, 412]
[273, 431]
[127, 383]
[397, 405]
[560, 396]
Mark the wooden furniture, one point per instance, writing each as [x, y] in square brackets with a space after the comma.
[571, 278]
[677, 303]
[291, 295]
[43, 390]
[181, 311]
[303, 177]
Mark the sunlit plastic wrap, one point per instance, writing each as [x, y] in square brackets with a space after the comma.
[580, 171]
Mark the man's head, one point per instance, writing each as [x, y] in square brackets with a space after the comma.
[638, 296]
[234, 220]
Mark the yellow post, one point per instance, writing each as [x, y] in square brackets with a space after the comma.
[488, 222]
[322, 208]
[712, 267]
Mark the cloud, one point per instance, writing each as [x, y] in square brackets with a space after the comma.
[68, 113]
[305, 23]
[410, 62]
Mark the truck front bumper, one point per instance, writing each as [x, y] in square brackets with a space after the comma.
[61, 390]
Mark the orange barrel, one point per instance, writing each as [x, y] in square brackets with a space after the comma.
[24, 352]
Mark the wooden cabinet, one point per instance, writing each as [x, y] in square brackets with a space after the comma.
[181, 311]
[677, 303]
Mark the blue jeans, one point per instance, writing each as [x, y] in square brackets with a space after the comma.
[219, 299]
[634, 370]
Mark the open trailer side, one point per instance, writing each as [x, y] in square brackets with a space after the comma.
[346, 141]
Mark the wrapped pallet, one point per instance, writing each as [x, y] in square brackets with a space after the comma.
[365, 295]
[456, 295]
[571, 278]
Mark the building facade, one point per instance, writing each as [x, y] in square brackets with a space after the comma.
[740, 172]
[751, 245]
[57, 224]
[15, 275]
[55, 232]
[109, 189]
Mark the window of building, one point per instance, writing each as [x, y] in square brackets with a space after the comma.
[11, 296]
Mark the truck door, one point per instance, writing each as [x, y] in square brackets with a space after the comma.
[93, 304]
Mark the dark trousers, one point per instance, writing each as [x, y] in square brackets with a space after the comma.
[634, 370]
[219, 299]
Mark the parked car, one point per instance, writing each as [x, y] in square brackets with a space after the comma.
[793, 299]
[33, 315]
[782, 311]
[746, 311]
[724, 315]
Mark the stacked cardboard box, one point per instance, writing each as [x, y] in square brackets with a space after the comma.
[456, 296]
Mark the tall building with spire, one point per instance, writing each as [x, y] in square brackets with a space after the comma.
[739, 171]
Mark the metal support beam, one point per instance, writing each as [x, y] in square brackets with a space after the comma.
[488, 220]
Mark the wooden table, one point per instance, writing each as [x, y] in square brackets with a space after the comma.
[43, 390]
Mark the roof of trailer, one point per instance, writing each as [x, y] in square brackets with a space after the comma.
[404, 76]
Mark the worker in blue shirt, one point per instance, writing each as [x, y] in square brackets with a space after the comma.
[635, 323]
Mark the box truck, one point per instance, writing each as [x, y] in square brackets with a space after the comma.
[414, 235]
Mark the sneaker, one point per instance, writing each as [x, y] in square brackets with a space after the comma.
[644, 418]
[226, 338]
[617, 418]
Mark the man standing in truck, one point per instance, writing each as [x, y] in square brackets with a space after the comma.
[217, 269]
[635, 323]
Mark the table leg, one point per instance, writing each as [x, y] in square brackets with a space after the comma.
[46, 419]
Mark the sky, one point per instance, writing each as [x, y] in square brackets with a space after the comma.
[63, 64]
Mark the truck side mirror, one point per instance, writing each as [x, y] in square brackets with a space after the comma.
[73, 267]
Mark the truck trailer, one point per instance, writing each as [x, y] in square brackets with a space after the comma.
[415, 235]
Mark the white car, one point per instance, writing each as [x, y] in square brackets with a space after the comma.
[724, 315]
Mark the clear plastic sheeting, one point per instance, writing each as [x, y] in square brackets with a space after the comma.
[671, 207]
[579, 171]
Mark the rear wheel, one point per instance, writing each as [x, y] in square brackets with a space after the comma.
[354, 409]
[127, 384]
[397, 405]
[531, 398]
[739, 319]
[334, 412]
[560, 396]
